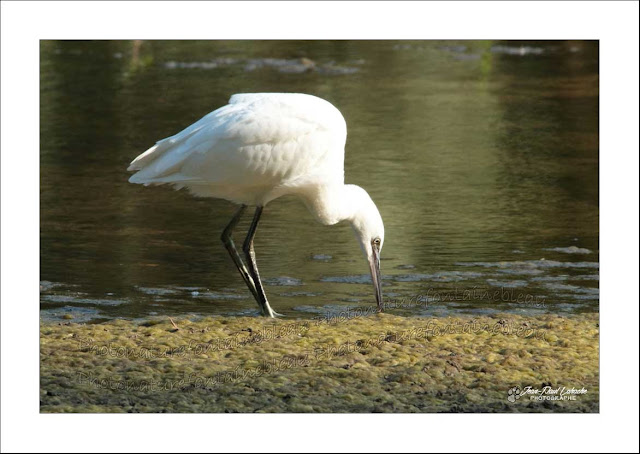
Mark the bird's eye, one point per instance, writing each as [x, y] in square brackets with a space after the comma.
[376, 241]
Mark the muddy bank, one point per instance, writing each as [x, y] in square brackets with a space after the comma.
[377, 363]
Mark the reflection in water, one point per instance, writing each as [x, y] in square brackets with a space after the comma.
[481, 156]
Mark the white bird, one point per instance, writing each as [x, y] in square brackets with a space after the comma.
[257, 148]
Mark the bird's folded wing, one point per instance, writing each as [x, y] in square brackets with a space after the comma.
[255, 140]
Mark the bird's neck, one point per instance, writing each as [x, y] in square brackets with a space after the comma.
[331, 204]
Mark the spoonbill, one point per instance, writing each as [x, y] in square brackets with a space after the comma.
[257, 148]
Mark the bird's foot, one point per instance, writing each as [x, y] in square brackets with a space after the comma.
[271, 313]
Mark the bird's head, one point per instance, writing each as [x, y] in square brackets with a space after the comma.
[369, 229]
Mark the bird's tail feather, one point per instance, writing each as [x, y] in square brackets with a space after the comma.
[151, 154]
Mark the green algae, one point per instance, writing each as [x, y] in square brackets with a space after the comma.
[378, 363]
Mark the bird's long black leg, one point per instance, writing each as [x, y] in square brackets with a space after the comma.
[253, 266]
[235, 256]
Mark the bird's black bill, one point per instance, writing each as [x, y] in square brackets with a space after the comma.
[374, 264]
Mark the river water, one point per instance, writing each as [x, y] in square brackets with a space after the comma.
[482, 157]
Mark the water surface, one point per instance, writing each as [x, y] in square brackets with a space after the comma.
[481, 156]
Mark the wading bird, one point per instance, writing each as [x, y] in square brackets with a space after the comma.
[257, 148]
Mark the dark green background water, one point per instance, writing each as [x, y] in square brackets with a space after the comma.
[481, 156]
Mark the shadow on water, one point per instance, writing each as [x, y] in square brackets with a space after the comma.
[482, 157]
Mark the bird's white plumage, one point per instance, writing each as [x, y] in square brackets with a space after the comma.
[257, 148]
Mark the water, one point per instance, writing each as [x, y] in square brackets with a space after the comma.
[481, 156]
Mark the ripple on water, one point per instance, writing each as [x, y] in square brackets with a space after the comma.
[81, 299]
[573, 291]
[523, 266]
[218, 296]
[517, 50]
[442, 276]
[45, 286]
[333, 70]
[459, 48]
[406, 267]
[572, 288]
[586, 277]
[507, 284]
[158, 291]
[309, 309]
[561, 278]
[351, 300]
[283, 65]
[245, 313]
[357, 279]
[284, 281]
[336, 310]
[579, 296]
[297, 294]
[569, 250]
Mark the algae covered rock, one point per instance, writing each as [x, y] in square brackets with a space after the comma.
[374, 363]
